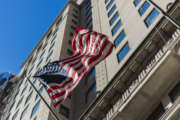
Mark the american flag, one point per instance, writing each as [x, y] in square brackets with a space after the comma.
[89, 48]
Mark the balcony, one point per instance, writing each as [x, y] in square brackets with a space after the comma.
[140, 85]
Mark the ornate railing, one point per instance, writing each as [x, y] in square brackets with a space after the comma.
[141, 79]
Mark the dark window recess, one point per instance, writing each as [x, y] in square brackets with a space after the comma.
[24, 90]
[69, 96]
[55, 31]
[49, 34]
[91, 27]
[75, 16]
[91, 94]
[74, 21]
[58, 22]
[175, 92]
[44, 46]
[89, 15]
[39, 63]
[69, 52]
[64, 111]
[15, 115]
[75, 10]
[71, 34]
[157, 113]
[20, 101]
[89, 22]
[73, 28]
[39, 47]
[70, 42]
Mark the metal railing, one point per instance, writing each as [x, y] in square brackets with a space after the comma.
[138, 83]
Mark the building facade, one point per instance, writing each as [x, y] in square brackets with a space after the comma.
[138, 81]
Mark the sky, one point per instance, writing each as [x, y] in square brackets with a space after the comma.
[22, 24]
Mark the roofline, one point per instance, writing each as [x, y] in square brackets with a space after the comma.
[48, 30]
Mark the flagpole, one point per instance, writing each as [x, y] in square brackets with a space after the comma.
[53, 113]
[165, 14]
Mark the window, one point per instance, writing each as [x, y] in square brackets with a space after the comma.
[91, 94]
[35, 118]
[112, 10]
[71, 34]
[114, 18]
[40, 91]
[91, 27]
[76, 10]
[74, 21]
[144, 7]
[123, 52]
[24, 113]
[89, 15]
[29, 97]
[42, 54]
[20, 101]
[69, 52]
[31, 70]
[52, 41]
[52, 45]
[15, 115]
[151, 17]
[75, 16]
[110, 4]
[64, 111]
[44, 46]
[175, 92]
[58, 22]
[39, 63]
[73, 28]
[157, 113]
[24, 90]
[70, 42]
[119, 38]
[136, 2]
[49, 56]
[12, 105]
[94, 71]
[89, 22]
[106, 1]
[36, 107]
[116, 28]
[88, 5]
[49, 34]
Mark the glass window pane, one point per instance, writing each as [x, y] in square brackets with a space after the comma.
[35, 108]
[112, 11]
[19, 102]
[119, 38]
[24, 90]
[64, 111]
[24, 112]
[94, 71]
[123, 52]
[106, 1]
[151, 17]
[136, 2]
[116, 28]
[15, 115]
[144, 7]
[114, 18]
[50, 54]
[110, 4]
[175, 92]
[28, 98]
[91, 94]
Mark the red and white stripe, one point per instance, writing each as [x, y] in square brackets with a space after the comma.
[89, 49]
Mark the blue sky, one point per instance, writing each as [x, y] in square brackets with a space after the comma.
[22, 24]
